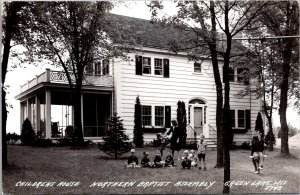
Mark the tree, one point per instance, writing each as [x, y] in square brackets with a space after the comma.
[283, 20]
[138, 138]
[232, 18]
[12, 16]
[115, 143]
[259, 126]
[73, 35]
[181, 119]
[27, 133]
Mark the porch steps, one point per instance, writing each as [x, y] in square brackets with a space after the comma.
[211, 144]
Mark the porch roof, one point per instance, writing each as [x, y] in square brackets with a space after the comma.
[57, 80]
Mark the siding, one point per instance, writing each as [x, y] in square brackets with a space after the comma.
[183, 84]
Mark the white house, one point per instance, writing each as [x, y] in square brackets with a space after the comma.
[159, 77]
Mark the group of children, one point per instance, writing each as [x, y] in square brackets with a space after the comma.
[188, 160]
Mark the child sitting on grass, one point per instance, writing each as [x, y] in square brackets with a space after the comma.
[186, 162]
[132, 160]
[169, 160]
[145, 162]
[193, 158]
[158, 162]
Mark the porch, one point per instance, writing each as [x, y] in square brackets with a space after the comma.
[46, 101]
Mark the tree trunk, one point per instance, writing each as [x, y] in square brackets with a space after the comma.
[78, 134]
[4, 143]
[10, 19]
[227, 126]
[282, 109]
[271, 134]
[219, 89]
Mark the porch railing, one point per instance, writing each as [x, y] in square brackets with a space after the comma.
[61, 77]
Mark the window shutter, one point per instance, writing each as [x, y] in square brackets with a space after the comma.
[166, 68]
[138, 65]
[248, 119]
[167, 116]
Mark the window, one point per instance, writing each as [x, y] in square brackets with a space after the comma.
[242, 75]
[146, 65]
[97, 67]
[238, 118]
[146, 115]
[241, 118]
[197, 67]
[105, 67]
[158, 68]
[159, 116]
[231, 74]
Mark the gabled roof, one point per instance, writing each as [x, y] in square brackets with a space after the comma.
[148, 34]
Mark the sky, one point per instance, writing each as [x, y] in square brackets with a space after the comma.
[19, 76]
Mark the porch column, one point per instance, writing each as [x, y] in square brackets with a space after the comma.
[37, 113]
[48, 114]
[29, 111]
[82, 123]
[21, 114]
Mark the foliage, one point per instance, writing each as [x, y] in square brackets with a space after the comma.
[181, 119]
[42, 143]
[270, 139]
[12, 137]
[190, 145]
[27, 133]
[259, 126]
[292, 131]
[116, 142]
[138, 138]
[73, 35]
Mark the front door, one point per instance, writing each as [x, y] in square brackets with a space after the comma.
[198, 123]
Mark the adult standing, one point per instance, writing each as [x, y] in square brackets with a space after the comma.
[175, 138]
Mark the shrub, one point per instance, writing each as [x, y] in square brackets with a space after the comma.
[181, 119]
[138, 138]
[259, 126]
[270, 139]
[11, 138]
[27, 133]
[116, 142]
[42, 143]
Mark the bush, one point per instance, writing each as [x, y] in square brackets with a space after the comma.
[116, 142]
[12, 138]
[259, 126]
[27, 133]
[138, 138]
[42, 143]
[190, 145]
[270, 139]
[292, 131]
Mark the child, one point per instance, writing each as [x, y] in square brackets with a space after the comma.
[257, 148]
[186, 162]
[158, 162]
[160, 143]
[132, 160]
[193, 158]
[169, 160]
[202, 147]
[145, 162]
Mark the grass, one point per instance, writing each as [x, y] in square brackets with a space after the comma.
[62, 164]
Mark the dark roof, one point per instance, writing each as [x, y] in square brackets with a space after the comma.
[148, 34]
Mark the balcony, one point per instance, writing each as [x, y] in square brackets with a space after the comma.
[60, 77]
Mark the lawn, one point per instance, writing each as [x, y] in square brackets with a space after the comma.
[86, 166]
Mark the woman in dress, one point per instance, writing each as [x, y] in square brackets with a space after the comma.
[175, 141]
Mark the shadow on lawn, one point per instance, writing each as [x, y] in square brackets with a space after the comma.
[106, 157]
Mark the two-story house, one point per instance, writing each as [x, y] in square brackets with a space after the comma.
[159, 77]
